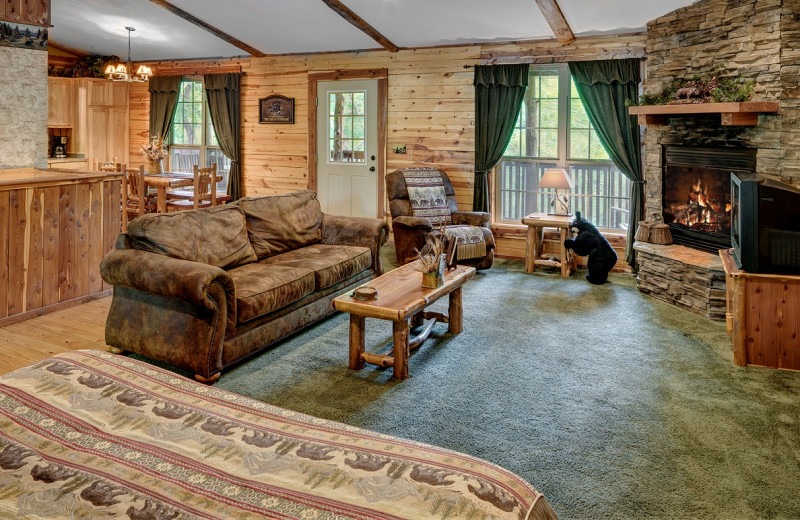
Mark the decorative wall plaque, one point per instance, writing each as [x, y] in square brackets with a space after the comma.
[276, 109]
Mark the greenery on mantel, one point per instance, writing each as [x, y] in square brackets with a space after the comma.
[703, 88]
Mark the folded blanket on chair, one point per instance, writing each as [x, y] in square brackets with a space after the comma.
[471, 243]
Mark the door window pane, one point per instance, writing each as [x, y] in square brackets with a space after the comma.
[346, 119]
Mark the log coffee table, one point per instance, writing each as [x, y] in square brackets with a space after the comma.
[401, 298]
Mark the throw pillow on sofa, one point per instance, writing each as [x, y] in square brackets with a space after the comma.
[282, 223]
[215, 236]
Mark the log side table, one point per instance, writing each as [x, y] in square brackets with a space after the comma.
[401, 298]
[536, 223]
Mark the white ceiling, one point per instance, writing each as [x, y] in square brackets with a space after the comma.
[300, 26]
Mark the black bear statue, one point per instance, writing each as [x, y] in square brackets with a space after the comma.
[590, 242]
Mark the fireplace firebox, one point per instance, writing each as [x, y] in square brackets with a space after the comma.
[696, 193]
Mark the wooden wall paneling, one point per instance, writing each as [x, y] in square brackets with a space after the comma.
[35, 12]
[2, 10]
[50, 229]
[96, 247]
[383, 116]
[66, 243]
[81, 237]
[311, 128]
[18, 222]
[4, 217]
[35, 249]
[138, 122]
[13, 10]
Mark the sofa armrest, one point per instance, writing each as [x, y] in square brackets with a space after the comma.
[194, 283]
[356, 231]
[471, 218]
[408, 221]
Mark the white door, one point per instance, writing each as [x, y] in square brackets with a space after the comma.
[347, 147]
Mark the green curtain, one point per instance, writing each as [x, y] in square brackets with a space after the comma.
[163, 100]
[223, 93]
[499, 90]
[604, 87]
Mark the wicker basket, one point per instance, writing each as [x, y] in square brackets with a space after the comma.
[659, 231]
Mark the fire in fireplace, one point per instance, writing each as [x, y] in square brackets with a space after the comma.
[697, 193]
[703, 204]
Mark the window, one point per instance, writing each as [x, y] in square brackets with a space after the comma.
[193, 140]
[552, 131]
[346, 127]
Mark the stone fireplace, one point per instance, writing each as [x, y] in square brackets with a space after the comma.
[688, 160]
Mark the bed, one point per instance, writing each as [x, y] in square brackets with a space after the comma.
[88, 434]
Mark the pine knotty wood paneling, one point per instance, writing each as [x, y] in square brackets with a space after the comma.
[34, 12]
[430, 109]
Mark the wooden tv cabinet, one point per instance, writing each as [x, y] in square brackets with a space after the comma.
[763, 318]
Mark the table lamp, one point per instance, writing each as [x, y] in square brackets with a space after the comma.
[558, 179]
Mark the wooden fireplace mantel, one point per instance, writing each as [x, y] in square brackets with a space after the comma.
[743, 114]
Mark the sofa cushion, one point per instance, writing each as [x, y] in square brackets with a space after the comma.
[331, 264]
[215, 236]
[281, 223]
[262, 288]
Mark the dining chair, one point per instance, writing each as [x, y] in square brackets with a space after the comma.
[204, 191]
[135, 200]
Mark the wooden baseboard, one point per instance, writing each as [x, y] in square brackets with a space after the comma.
[10, 320]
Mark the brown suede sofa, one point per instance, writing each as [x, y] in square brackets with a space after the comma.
[204, 289]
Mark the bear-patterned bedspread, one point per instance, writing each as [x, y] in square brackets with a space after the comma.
[89, 434]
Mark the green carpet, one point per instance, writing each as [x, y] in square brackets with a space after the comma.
[611, 403]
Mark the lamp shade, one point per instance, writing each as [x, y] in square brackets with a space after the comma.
[557, 178]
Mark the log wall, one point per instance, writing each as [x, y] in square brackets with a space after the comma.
[54, 231]
[430, 108]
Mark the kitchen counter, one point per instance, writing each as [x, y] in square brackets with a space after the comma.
[24, 177]
[55, 226]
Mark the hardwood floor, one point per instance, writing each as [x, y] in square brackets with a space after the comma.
[80, 327]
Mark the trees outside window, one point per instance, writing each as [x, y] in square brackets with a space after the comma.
[553, 131]
[192, 137]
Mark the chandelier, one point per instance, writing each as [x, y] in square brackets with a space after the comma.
[124, 71]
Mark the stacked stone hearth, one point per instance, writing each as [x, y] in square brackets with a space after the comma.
[685, 277]
[756, 39]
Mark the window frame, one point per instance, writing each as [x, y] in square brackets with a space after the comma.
[563, 160]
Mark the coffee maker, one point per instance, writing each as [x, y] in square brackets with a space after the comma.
[60, 146]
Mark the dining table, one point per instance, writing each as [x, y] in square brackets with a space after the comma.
[162, 181]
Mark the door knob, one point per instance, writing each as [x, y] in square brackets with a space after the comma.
[372, 168]
[372, 158]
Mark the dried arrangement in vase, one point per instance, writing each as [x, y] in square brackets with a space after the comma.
[155, 151]
[431, 260]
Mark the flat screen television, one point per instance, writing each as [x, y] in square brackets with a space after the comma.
[765, 224]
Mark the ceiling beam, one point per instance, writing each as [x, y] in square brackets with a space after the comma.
[69, 50]
[177, 11]
[359, 22]
[552, 13]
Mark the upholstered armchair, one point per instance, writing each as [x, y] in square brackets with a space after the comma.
[412, 223]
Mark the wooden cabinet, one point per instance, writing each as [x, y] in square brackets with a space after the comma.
[35, 12]
[60, 102]
[763, 318]
[106, 93]
[103, 120]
